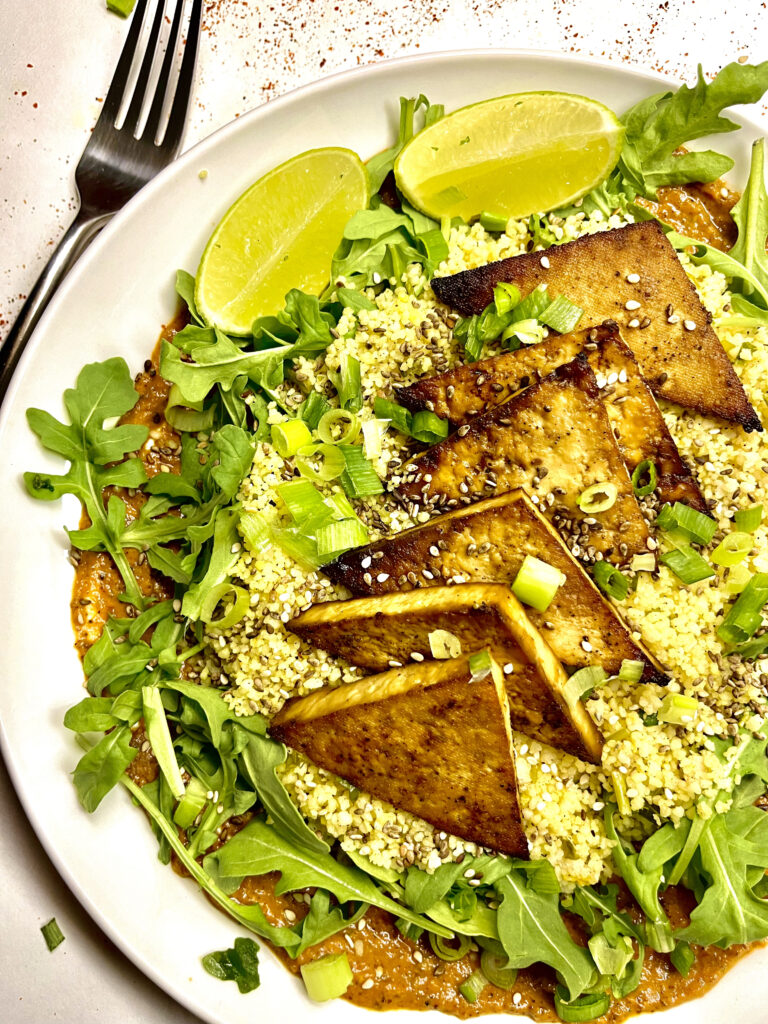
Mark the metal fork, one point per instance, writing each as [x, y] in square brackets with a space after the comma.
[118, 161]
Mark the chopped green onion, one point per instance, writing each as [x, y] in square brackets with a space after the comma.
[687, 565]
[289, 436]
[121, 7]
[52, 934]
[159, 737]
[254, 530]
[398, 415]
[301, 498]
[666, 519]
[738, 577]
[338, 426]
[480, 665]
[524, 332]
[612, 582]
[340, 506]
[537, 583]
[294, 542]
[658, 935]
[631, 671]
[533, 305]
[583, 682]
[748, 519]
[233, 614]
[373, 435]
[493, 221]
[505, 297]
[620, 734]
[677, 709]
[598, 498]
[335, 538]
[645, 476]
[191, 804]
[693, 524]
[359, 478]
[328, 977]
[733, 549]
[683, 958]
[754, 648]
[643, 563]
[562, 315]
[473, 986]
[320, 462]
[185, 415]
[408, 930]
[443, 644]
[347, 383]
[496, 971]
[619, 786]
[587, 1007]
[313, 408]
[442, 949]
[428, 428]
[743, 618]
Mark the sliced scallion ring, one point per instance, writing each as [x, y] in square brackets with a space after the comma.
[748, 519]
[473, 986]
[185, 415]
[537, 583]
[632, 671]
[677, 709]
[645, 476]
[733, 549]
[587, 1007]
[233, 614]
[442, 948]
[598, 497]
[320, 462]
[288, 437]
[328, 977]
[612, 582]
[495, 969]
[338, 426]
[583, 682]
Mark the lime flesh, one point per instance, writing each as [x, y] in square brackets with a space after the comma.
[513, 156]
[280, 234]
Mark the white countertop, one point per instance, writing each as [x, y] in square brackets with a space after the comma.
[56, 60]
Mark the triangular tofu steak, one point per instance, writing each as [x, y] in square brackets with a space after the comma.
[377, 633]
[554, 440]
[427, 739]
[638, 425]
[487, 542]
[631, 275]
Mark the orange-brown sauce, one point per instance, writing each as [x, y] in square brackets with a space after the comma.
[391, 972]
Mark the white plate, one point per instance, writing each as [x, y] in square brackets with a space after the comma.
[113, 303]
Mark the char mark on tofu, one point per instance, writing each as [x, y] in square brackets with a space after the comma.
[554, 440]
[638, 425]
[426, 738]
[487, 542]
[389, 630]
[631, 275]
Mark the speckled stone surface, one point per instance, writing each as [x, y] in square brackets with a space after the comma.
[56, 59]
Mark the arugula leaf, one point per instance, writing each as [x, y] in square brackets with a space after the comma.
[232, 451]
[323, 920]
[379, 166]
[239, 964]
[185, 289]
[103, 766]
[532, 930]
[741, 276]
[221, 561]
[103, 391]
[422, 890]
[751, 217]
[220, 362]
[312, 324]
[92, 714]
[258, 849]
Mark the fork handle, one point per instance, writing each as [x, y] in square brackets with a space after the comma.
[78, 235]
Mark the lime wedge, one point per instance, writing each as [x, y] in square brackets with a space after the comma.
[513, 155]
[280, 234]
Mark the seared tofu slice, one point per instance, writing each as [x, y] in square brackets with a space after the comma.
[425, 738]
[637, 422]
[377, 633]
[487, 542]
[554, 440]
[631, 275]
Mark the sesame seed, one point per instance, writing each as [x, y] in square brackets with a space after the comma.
[382, 577]
[415, 656]
[632, 304]
[545, 262]
[366, 562]
[633, 278]
[689, 325]
[634, 322]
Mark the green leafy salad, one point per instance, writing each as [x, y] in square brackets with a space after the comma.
[220, 802]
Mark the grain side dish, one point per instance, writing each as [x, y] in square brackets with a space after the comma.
[425, 622]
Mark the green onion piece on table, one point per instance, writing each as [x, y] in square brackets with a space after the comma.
[562, 315]
[619, 785]
[677, 709]
[495, 969]
[445, 951]
[537, 583]
[121, 7]
[428, 427]
[612, 582]
[234, 613]
[585, 1008]
[738, 577]
[473, 986]
[320, 462]
[493, 222]
[339, 426]
[743, 618]
[583, 682]
[301, 498]
[693, 524]
[480, 665]
[255, 531]
[328, 977]
[523, 332]
[506, 297]
[732, 549]
[687, 565]
[52, 934]
[598, 498]
[645, 478]
[632, 671]
[359, 478]
[313, 408]
[398, 415]
[748, 519]
[289, 436]
[335, 538]
[373, 435]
